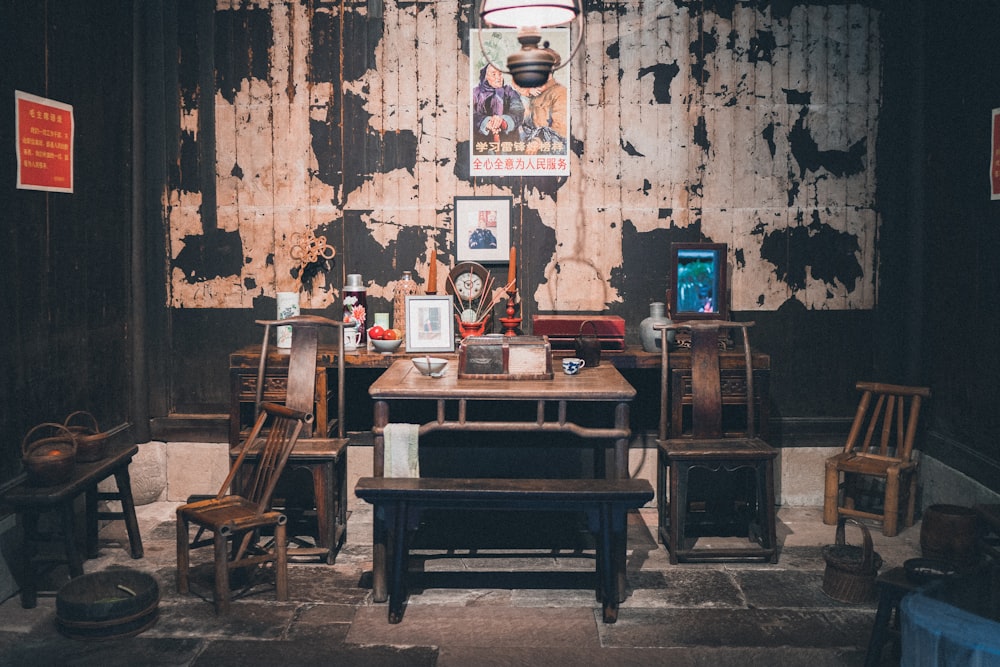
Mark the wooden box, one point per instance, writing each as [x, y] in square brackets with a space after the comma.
[505, 358]
[562, 330]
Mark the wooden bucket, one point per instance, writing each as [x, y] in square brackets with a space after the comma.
[851, 570]
[107, 605]
[48, 454]
[91, 443]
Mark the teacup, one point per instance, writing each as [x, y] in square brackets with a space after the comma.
[572, 365]
[352, 338]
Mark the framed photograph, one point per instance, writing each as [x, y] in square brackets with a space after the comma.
[430, 323]
[482, 229]
[699, 284]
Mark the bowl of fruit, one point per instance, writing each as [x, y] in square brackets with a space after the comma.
[384, 340]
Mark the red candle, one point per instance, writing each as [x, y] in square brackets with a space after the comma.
[432, 274]
[512, 270]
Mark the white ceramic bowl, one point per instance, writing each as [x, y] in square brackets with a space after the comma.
[386, 346]
[433, 366]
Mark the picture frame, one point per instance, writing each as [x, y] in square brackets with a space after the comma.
[482, 229]
[430, 323]
[699, 282]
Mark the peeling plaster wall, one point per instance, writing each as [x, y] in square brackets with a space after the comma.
[747, 123]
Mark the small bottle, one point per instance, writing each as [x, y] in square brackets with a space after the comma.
[404, 287]
[356, 305]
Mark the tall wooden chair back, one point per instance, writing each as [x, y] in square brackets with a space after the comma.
[706, 378]
[875, 476]
[300, 385]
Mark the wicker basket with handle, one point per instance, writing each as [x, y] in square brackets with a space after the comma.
[850, 570]
[49, 454]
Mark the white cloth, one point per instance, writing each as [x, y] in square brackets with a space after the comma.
[401, 458]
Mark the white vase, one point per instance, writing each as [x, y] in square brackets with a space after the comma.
[649, 336]
[288, 306]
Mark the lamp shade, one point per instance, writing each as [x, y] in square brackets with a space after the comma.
[524, 13]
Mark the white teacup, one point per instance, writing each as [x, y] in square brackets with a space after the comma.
[572, 365]
[352, 338]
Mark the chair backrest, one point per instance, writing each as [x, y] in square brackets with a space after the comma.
[300, 389]
[706, 377]
[284, 425]
[890, 410]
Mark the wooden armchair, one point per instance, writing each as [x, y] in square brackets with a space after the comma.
[711, 449]
[881, 468]
[322, 455]
[237, 521]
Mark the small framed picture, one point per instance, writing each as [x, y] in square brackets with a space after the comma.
[482, 229]
[430, 323]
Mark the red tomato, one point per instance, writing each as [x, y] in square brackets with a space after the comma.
[376, 332]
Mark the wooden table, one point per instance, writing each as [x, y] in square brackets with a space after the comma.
[402, 382]
[243, 365]
[31, 501]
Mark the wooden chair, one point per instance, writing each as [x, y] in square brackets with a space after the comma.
[236, 522]
[882, 467]
[322, 455]
[710, 448]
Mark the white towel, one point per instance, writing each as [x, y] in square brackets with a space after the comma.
[401, 450]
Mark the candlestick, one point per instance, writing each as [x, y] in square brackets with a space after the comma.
[512, 268]
[432, 273]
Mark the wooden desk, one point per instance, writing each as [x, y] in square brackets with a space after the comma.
[402, 382]
[30, 501]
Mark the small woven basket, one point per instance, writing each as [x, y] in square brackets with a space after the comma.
[850, 570]
[49, 454]
[91, 443]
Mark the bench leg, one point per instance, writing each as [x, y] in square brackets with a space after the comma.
[380, 586]
[400, 551]
[124, 482]
[607, 562]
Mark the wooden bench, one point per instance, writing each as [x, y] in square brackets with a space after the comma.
[604, 501]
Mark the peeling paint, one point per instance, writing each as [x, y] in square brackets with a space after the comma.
[354, 126]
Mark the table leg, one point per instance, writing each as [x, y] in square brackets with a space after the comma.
[621, 444]
[380, 589]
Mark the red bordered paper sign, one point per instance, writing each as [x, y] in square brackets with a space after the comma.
[995, 157]
[44, 131]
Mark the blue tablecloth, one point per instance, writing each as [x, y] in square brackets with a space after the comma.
[939, 633]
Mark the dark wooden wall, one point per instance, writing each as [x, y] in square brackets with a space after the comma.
[66, 258]
[86, 280]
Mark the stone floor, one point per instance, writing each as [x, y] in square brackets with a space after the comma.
[491, 607]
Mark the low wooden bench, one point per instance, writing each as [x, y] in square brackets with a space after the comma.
[604, 501]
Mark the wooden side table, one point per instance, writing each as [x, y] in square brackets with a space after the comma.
[30, 502]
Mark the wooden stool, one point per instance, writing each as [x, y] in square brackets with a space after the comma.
[31, 501]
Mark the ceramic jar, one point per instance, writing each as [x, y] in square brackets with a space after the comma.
[649, 336]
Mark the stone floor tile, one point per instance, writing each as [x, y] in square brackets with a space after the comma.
[476, 627]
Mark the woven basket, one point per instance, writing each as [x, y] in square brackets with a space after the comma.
[49, 454]
[851, 570]
[91, 443]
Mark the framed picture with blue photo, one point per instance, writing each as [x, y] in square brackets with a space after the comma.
[699, 282]
[482, 229]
